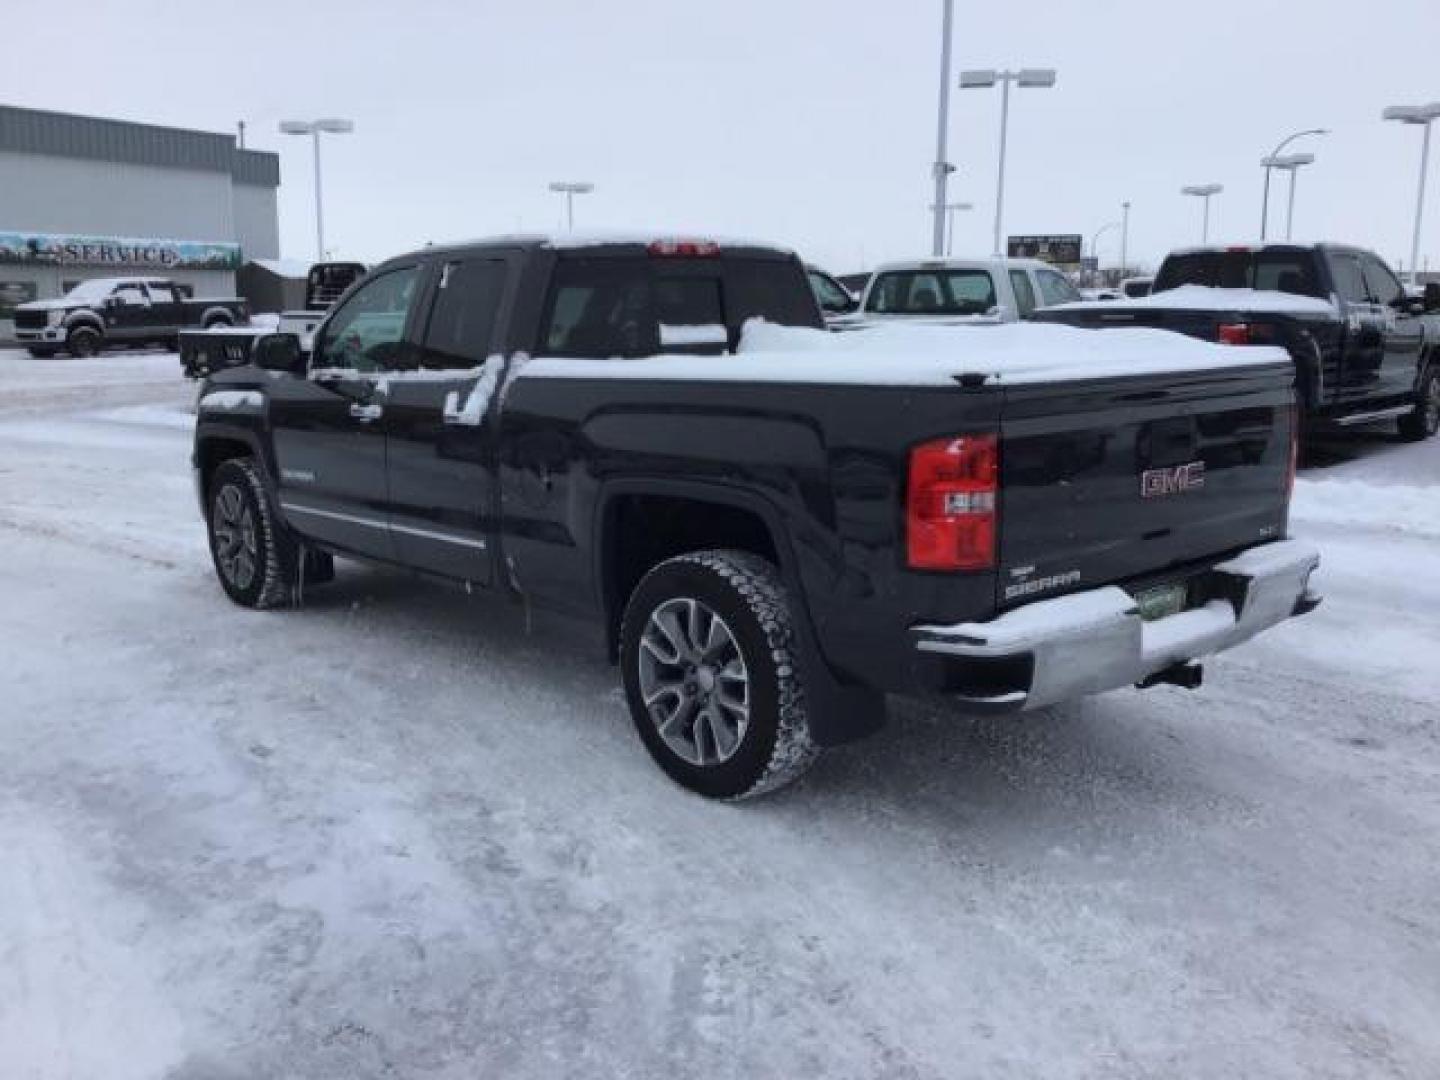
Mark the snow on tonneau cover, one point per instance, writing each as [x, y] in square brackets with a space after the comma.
[1198, 467]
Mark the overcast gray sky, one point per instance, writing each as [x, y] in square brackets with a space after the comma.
[807, 122]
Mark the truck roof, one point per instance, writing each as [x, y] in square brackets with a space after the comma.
[608, 239]
[989, 262]
[1280, 247]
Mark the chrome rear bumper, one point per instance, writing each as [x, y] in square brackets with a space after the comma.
[1094, 641]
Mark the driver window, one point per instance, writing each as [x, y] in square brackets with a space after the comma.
[1055, 289]
[1384, 288]
[131, 295]
[367, 333]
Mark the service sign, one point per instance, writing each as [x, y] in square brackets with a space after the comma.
[80, 250]
[1062, 249]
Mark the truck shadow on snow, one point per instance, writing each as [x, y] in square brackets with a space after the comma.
[1343, 447]
[1120, 756]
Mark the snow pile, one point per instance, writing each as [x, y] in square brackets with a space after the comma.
[1010, 353]
[1205, 298]
[908, 355]
[1413, 510]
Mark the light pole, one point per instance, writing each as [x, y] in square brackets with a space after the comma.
[571, 188]
[1124, 238]
[949, 209]
[314, 129]
[1422, 115]
[1095, 244]
[1291, 163]
[978, 80]
[1204, 191]
[1265, 199]
[942, 168]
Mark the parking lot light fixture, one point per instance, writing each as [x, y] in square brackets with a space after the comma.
[314, 128]
[1291, 163]
[1424, 116]
[983, 78]
[1265, 199]
[949, 210]
[571, 188]
[1203, 191]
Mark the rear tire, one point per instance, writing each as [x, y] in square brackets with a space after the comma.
[83, 341]
[255, 556]
[712, 676]
[1424, 421]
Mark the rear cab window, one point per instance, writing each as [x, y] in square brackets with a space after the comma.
[941, 291]
[626, 305]
[1276, 271]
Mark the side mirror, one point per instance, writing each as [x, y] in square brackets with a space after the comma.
[1431, 296]
[279, 352]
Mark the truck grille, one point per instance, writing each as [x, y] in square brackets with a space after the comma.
[30, 320]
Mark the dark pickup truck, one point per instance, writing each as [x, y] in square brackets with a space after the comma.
[769, 540]
[119, 311]
[1365, 350]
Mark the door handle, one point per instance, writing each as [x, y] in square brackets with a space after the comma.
[366, 413]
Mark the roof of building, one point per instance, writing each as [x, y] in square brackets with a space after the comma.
[37, 131]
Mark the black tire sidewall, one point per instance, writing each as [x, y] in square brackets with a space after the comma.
[739, 774]
[231, 474]
[84, 333]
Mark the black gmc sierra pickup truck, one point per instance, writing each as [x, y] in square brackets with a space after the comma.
[769, 540]
[119, 311]
[1365, 350]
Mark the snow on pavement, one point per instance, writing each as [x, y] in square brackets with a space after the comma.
[394, 834]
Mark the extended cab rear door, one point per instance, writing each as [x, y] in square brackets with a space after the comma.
[440, 439]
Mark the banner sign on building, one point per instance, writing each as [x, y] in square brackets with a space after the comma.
[78, 250]
[1061, 250]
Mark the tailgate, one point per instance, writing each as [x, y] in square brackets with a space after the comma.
[1136, 479]
[1197, 324]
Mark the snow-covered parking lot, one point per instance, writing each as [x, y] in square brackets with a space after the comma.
[394, 834]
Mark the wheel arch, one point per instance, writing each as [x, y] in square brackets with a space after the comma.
[695, 517]
[722, 516]
[218, 445]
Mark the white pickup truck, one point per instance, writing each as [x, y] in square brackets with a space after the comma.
[963, 290]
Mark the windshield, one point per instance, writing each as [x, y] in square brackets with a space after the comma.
[1275, 271]
[933, 292]
[90, 291]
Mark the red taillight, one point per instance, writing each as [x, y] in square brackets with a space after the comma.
[1234, 334]
[690, 248]
[950, 504]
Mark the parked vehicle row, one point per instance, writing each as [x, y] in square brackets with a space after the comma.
[103, 312]
[222, 346]
[770, 537]
[1364, 349]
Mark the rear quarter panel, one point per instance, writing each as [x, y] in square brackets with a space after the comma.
[824, 465]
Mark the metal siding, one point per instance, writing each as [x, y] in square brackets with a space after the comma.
[257, 221]
[55, 194]
[34, 131]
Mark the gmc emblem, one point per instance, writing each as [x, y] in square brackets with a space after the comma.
[1172, 481]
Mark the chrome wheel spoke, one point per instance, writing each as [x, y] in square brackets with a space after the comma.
[693, 681]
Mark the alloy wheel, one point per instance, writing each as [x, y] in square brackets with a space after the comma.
[694, 682]
[236, 542]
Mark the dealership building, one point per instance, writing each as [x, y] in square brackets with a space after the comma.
[84, 197]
